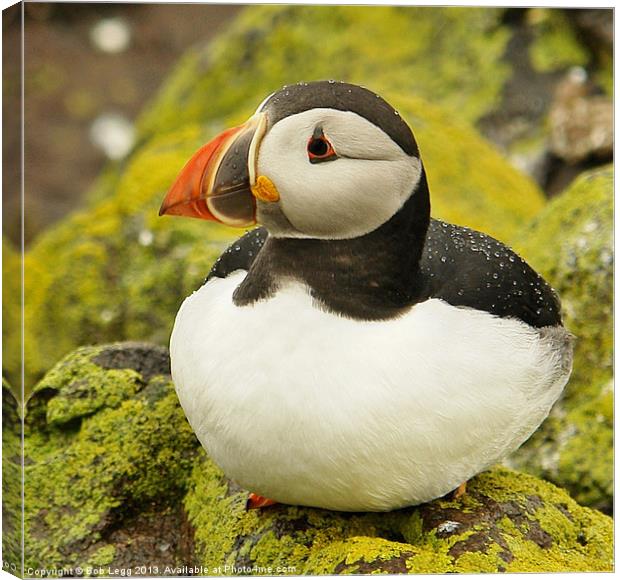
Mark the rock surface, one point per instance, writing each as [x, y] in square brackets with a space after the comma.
[507, 521]
[107, 452]
[571, 244]
[116, 478]
[11, 480]
[581, 123]
[546, 49]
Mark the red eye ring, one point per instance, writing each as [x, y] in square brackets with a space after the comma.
[320, 149]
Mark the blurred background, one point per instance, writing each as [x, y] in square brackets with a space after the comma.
[90, 69]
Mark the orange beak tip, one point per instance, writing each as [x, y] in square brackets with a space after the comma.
[194, 192]
[167, 207]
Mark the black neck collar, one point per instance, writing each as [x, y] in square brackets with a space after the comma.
[372, 277]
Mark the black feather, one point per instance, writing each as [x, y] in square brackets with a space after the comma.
[458, 265]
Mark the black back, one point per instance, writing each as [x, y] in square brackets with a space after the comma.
[372, 278]
[467, 268]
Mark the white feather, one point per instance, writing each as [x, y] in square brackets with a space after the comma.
[344, 198]
[306, 407]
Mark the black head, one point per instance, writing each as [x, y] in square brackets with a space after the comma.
[341, 96]
[324, 160]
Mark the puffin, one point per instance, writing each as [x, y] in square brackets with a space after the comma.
[352, 353]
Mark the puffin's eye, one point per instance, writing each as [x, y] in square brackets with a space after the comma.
[320, 149]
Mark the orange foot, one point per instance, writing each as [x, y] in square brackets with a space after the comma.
[258, 501]
[459, 491]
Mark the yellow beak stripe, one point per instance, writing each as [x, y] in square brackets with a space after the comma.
[265, 190]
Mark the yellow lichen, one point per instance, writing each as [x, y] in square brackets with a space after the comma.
[555, 45]
[571, 244]
[85, 462]
[319, 542]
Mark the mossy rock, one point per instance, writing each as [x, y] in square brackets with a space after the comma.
[11, 480]
[571, 244]
[458, 57]
[115, 478]
[491, 67]
[107, 452]
[451, 56]
[507, 521]
[11, 315]
[555, 44]
[117, 271]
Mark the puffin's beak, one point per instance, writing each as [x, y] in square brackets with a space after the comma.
[217, 182]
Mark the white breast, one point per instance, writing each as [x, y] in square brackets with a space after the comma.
[306, 407]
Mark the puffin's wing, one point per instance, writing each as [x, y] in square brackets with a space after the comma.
[240, 255]
[468, 268]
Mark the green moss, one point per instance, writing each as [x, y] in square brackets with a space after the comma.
[432, 562]
[585, 462]
[11, 314]
[555, 45]
[450, 56]
[87, 464]
[83, 387]
[11, 480]
[489, 561]
[363, 555]
[571, 244]
[506, 521]
[103, 556]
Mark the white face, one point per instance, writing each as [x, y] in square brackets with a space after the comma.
[348, 196]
